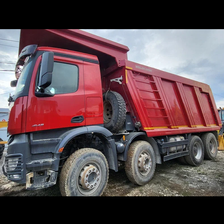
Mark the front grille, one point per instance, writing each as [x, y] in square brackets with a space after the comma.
[14, 166]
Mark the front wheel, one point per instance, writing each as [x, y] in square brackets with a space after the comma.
[141, 163]
[2, 147]
[85, 173]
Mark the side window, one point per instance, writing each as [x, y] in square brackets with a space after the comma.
[65, 78]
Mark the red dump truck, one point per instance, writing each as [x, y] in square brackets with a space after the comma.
[81, 108]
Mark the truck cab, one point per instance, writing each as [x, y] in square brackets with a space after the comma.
[58, 90]
[75, 83]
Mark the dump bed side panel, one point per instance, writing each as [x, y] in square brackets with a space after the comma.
[167, 104]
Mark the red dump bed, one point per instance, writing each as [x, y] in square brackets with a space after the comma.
[164, 103]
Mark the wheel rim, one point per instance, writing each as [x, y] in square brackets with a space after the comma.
[197, 151]
[144, 163]
[89, 178]
[107, 112]
[212, 146]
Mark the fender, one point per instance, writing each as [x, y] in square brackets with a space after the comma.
[142, 136]
[110, 154]
[129, 140]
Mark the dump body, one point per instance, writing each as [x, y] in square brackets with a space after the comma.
[164, 103]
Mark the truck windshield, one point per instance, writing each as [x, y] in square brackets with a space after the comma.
[22, 79]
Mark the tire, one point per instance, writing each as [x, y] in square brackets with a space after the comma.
[210, 145]
[182, 160]
[85, 173]
[114, 112]
[141, 163]
[2, 147]
[196, 151]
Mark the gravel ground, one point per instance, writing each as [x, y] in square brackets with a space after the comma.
[171, 179]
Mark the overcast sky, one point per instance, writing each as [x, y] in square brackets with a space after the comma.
[195, 54]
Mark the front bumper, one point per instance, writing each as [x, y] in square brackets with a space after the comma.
[22, 166]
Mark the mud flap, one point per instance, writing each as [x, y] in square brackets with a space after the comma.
[221, 142]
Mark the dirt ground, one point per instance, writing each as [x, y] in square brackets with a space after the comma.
[171, 179]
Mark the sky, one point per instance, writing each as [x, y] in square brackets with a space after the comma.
[194, 54]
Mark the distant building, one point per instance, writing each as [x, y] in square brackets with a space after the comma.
[4, 117]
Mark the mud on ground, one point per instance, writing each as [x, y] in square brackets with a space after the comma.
[171, 179]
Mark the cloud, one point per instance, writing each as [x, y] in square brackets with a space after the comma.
[5, 88]
[220, 103]
[195, 54]
[8, 54]
[171, 48]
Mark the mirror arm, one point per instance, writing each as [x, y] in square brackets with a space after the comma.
[41, 93]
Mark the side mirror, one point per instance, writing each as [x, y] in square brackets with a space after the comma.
[46, 69]
[13, 83]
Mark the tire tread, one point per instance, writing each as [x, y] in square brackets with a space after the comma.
[67, 165]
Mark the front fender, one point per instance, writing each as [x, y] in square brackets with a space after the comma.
[110, 153]
[67, 136]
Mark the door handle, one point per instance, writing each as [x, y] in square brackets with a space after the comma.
[77, 119]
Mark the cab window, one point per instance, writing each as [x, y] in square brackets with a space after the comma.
[65, 78]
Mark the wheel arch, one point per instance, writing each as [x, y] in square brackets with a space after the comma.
[110, 153]
[135, 136]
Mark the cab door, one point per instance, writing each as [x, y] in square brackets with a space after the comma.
[66, 108]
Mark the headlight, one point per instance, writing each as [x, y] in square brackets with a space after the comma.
[12, 164]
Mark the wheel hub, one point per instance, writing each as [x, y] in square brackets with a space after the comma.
[197, 150]
[90, 177]
[144, 163]
[107, 112]
[212, 146]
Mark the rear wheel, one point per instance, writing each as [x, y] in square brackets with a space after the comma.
[141, 163]
[196, 151]
[85, 173]
[211, 145]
